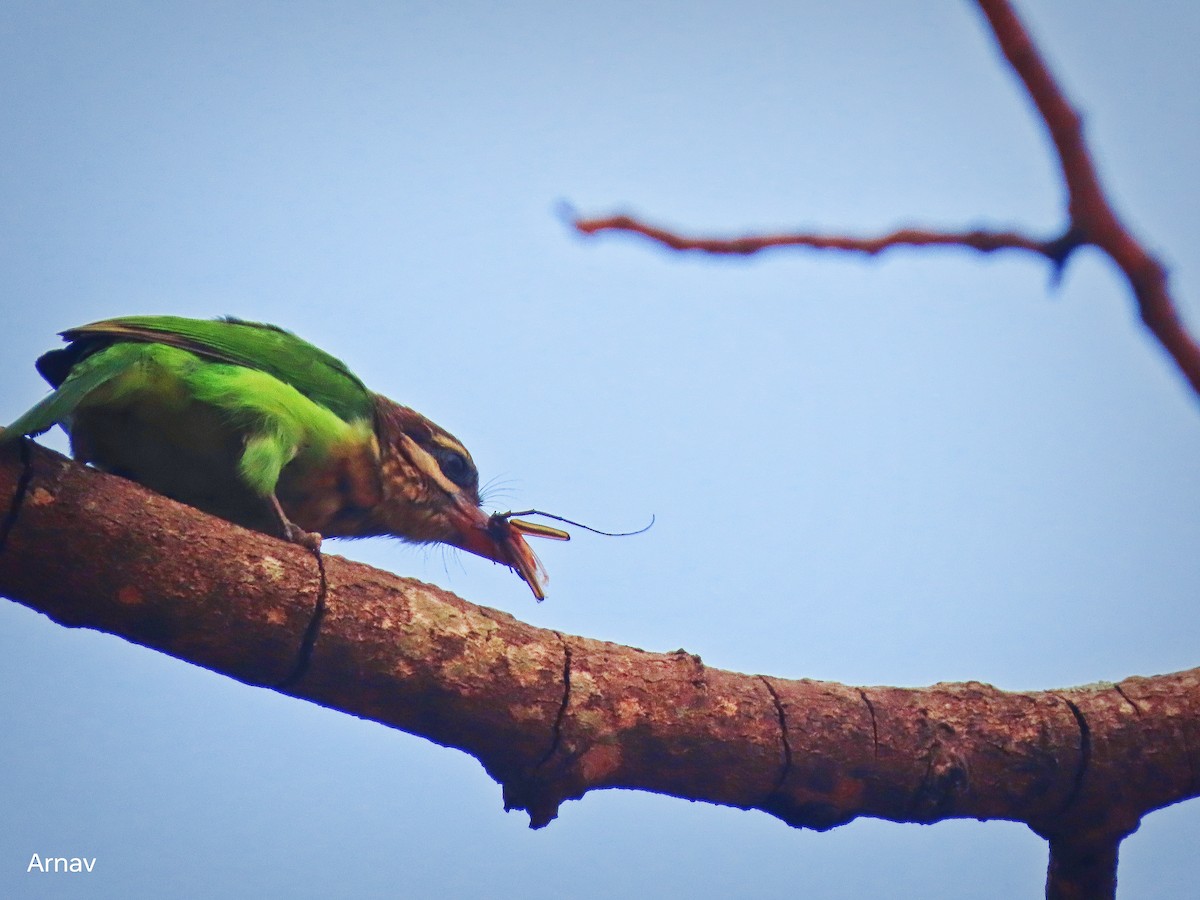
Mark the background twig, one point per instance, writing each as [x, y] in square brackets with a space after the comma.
[1091, 218]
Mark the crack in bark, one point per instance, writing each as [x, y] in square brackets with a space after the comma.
[783, 734]
[923, 790]
[1085, 754]
[874, 724]
[312, 631]
[14, 506]
[556, 732]
[1194, 777]
[1193, 781]
[1137, 710]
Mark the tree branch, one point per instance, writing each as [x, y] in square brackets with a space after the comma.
[1055, 249]
[1091, 214]
[552, 716]
[1091, 218]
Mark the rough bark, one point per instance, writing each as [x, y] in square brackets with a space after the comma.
[552, 716]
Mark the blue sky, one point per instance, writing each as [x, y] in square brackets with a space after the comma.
[925, 467]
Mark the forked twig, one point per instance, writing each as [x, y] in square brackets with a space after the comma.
[1091, 218]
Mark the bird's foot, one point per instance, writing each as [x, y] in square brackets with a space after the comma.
[297, 535]
[293, 532]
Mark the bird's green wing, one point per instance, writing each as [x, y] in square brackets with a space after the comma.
[322, 378]
[59, 405]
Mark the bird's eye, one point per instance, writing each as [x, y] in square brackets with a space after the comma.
[456, 467]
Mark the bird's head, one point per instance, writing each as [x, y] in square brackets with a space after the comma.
[431, 494]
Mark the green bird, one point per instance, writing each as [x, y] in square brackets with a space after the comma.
[250, 423]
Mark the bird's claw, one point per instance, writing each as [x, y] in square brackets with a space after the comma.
[292, 532]
[307, 539]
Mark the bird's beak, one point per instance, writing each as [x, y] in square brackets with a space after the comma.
[502, 540]
[496, 537]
